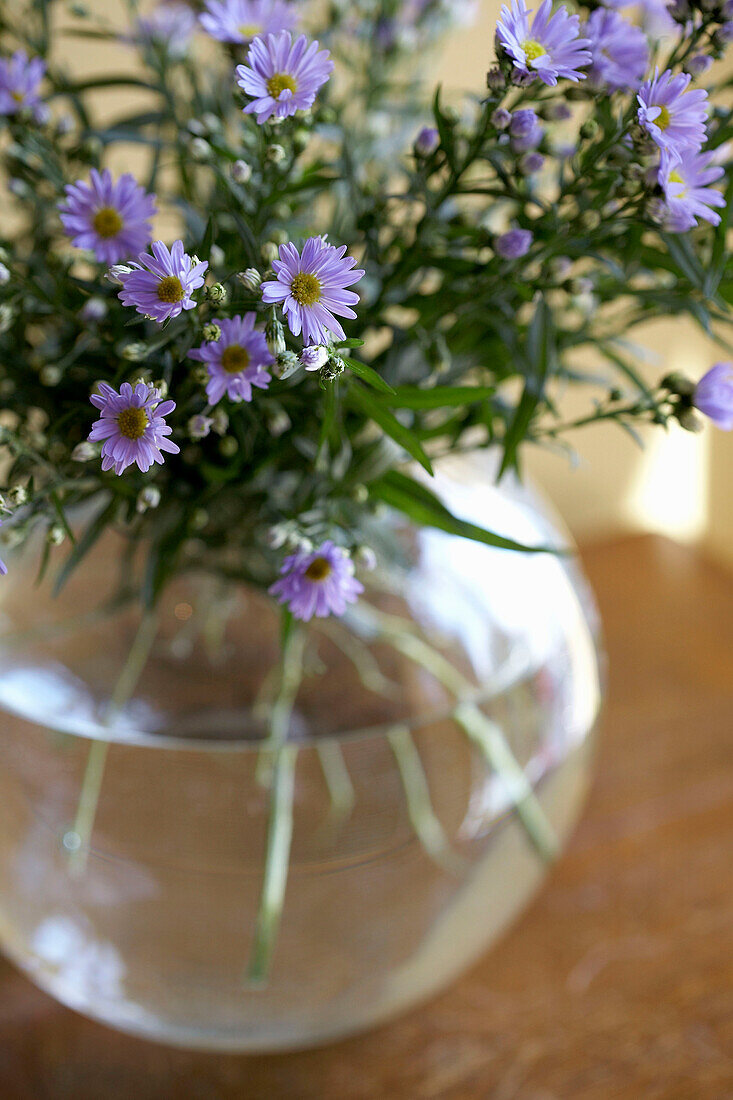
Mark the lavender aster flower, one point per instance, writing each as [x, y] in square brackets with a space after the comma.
[240, 21]
[513, 244]
[283, 76]
[162, 285]
[132, 426]
[19, 81]
[109, 218]
[713, 395]
[549, 48]
[320, 582]
[170, 26]
[673, 116]
[526, 130]
[236, 361]
[311, 288]
[685, 180]
[620, 51]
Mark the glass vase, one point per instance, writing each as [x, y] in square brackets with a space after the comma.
[169, 868]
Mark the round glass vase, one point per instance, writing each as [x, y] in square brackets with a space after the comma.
[208, 846]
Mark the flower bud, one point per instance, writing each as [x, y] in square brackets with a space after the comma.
[17, 496]
[427, 141]
[228, 447]
[690, 420]
[200, 149]
[84, 452]
[50, 375]
[4, 275]
[241, 172]
[275, 337]
[679, 384]
[286, 364]
[270, 251]
[199, 426]
[211, 331]
[314, 357]
[275, 154]
[216, 293]
[365, 558]
[219, 421]
[56, 534]
[250, 279]
[94, 309]
[135, 352]
[113, 275]
[500, 118]
[333, 368]
[149, 497]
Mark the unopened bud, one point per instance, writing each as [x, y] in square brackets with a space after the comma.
[56, 534]
[314, 357]
[333, 368]
[241, 171]
[149, 497]
[690, 420]
[211, 331]
[250, 279]
[275, 336]
[84, 452]
[216, 293]
[286, 364]
[135, 352]
[365, 558]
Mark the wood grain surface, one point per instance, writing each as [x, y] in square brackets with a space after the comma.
[617, 983]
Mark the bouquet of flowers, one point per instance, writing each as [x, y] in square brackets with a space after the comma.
[360, 279]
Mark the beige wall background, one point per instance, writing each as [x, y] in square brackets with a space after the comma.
[680, 484]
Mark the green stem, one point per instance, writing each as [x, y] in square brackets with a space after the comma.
[277, 861]
[280, 775]
[78, 840]
[338, 780]
[422, 816]
[495, 748]
[485, 733]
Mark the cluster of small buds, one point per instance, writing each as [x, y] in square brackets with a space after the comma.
[250, 279]
[331, 370]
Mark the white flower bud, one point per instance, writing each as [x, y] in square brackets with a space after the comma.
[251, 279]
[114, 273]
[94, 309]
[56, 534]
[241, 172]
[149, 497]
[4, 275]
[84, 452]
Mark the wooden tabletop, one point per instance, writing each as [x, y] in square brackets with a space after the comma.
[617, 983]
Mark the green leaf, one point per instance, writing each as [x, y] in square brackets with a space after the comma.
[439, 397]
[373, 408]
[421, 505]
[352, 342]
[368, 375]
[540, 353]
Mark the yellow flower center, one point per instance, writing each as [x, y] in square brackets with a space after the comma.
[318, 570]
[675, 177]
[107, 222]
[249, 30]
[306, 289]
[532, 49]
[170, 289]
[234, 359]
[132, 422]
[279, 82]
[17, 96]
[663, 119]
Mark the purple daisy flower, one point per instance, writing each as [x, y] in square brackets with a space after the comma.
[320, 582]
[236, 361]
[109, 218]
[240, 21]
[673, 116]
[620, 51]
[550, 48]
[685, 180]
[283, 76]
[132, 426]
[714, 395]
[170, 26]
[162, 285]
[311, 288]
[19, 81]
